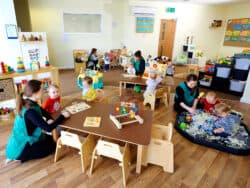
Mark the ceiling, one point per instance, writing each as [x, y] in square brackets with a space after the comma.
[206, 1]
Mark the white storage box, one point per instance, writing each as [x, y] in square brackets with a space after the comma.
[223, 72]
[236, 85]
[242, 64]
[205, 83]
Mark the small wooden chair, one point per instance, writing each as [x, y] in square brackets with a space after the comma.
[160, 151]
[159, 94]
[114, 151]
[85, 145]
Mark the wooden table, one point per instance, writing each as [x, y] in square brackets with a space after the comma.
[168, 82]
[133, 133]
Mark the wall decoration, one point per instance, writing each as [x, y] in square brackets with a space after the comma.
[11, 31]
[144, 24]
[7, 90]
[238, 32]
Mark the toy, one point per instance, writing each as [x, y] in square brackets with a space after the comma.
[95, 75]
[189, 118]
[137, 89]
[183, 125]
[46, 62]
[46, 83]
[34, 66]
[154, 66]
[6, 69]
[125, 112]
[20, 65]
[6, 113]
[201, 95]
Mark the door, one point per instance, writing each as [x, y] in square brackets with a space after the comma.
[166, 38]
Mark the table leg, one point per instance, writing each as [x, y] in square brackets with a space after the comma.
[168, 94]
[120, 88]
[139, 158]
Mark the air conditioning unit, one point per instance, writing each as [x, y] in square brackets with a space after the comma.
[149, 11]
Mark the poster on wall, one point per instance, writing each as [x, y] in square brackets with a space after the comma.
[237, 32]
[144, 24]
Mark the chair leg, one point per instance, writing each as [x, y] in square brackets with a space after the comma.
[58, 150]
[169, 167]
[86, 151]
[125, 164]
[92, 162]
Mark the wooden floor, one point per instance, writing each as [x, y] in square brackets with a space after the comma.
[195, 165]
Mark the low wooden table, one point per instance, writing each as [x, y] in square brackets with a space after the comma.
[168, 82]
[133, 133]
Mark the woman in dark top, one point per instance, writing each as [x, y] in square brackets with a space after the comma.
[93, 59]
[186, 95]
[139, 63]
[27, 140]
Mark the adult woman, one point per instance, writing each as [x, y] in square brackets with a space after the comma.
[186, 95]
[138, 62]
[93, 59]
[27, 140]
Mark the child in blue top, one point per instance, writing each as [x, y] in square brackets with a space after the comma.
[106, 60]
[224, 125]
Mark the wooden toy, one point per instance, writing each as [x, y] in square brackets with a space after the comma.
[160, 151]
[85, 145]
[154, 66]
[125, 112]
[77, 107]
[5, 69]
[20, 65]
[151, 98]
[46, 62]
[114, 151]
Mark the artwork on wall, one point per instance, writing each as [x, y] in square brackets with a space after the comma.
[11, 31]
[144, 24]
[238, 32]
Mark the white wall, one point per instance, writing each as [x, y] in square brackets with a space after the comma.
[9, 48]
[231, 12]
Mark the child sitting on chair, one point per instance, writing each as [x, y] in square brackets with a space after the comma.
[152, 83]
[131, 69]
[52, 105]
[106, 60]
[170, 68]
[209, 102]
[88, 92]
[224, 125]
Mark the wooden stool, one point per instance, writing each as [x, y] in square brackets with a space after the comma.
[85, 145]
[160, 151]
[151, 98]
[114, 151]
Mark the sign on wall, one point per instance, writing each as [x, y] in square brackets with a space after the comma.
[144, 24]
[238, 33]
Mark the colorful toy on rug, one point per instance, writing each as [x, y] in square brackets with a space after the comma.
[199, 127]
[20, 65]
[46, 63]
[154, 66]
[95, 75]
[125, 112]
[5, 69]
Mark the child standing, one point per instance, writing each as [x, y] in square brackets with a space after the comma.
[88, 92]
[106, 60]
[152, 83]
[52, 105]
[93, 59]
[224, 125]
[170, 68]
[209, 102]
[131, 69]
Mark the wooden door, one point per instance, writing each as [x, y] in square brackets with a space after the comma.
[166, 38]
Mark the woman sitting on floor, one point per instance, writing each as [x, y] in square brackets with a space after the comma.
[27, 140]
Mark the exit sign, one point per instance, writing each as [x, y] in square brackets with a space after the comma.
[170, 9]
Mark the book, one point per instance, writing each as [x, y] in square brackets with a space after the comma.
[92, 122]
[78, 107]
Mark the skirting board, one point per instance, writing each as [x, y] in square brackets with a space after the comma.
[245, 100]
[66, 67]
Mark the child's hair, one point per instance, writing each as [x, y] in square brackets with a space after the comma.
[211, 94]
[222, 108]
[93, 50]
[53, 86]
[33, 86]
[191, 77]
[88, 79]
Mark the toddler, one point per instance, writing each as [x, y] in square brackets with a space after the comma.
[88, 92]
[106, 60]
[152, 83]
[131, 69]
[170, 68]
[209, 102]
[224, 125]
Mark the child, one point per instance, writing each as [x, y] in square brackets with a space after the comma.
[131, 69]
[93, 59]
[152, 83]
[170, 68]
[209, 102]
[88, 93]
[106, 60]
[52, 105]
[224, 125]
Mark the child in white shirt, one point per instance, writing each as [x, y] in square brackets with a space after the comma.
[131, 69]
[106, 60]
[152, 83]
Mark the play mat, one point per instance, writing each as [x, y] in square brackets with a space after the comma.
[198, 129]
